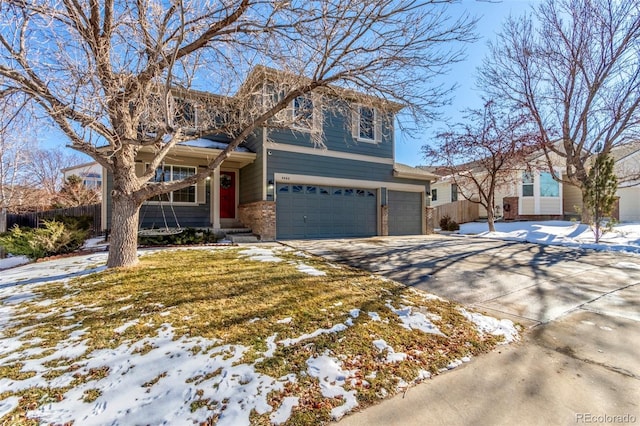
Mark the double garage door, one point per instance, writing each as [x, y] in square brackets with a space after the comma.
[315, 211]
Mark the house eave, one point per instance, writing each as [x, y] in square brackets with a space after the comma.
[236, 159]
[400, 171]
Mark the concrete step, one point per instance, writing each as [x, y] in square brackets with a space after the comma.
[243, 238]
[228, 231]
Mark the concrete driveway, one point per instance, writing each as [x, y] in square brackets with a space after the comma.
[579, 360]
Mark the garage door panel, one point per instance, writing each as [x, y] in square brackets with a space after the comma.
[308, 211]
[405, 213]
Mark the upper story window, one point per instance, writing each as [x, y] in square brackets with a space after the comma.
[304, 114]
[366, 124]
[434, 195]
[168, 173]
[184, 113]
[527, 184]
[549, 187]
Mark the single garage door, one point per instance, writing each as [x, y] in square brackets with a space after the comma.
[315, 211]
[405, 213]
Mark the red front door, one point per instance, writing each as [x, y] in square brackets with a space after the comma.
[227, 195]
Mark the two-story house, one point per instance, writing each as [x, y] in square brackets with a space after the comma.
[282, 185]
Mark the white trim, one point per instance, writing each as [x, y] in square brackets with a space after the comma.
[264, 164]
[355, 183]
[170, 193]
[215, 198]
[326, 153]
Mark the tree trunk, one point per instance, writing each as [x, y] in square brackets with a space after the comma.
[491, 220]
[3, 219]
[586, 215]
[123, 242]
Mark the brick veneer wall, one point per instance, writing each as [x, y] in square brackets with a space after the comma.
[429, 218]
[384, 220]
[260, 217]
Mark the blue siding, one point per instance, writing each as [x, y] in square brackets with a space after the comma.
[196, 215]
[251, 180]
[315, 165]
[337, 137]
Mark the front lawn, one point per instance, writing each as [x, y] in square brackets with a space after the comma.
[224, 336]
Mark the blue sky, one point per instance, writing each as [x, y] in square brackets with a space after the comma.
[491, 14]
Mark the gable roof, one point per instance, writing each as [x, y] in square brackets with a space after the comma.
[261, 74]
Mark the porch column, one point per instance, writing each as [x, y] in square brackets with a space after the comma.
[215, 199]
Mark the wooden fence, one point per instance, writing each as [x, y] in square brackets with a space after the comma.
[33, 220]
[461, 211]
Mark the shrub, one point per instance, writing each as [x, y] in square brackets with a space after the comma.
[53, 238]
[447, 224]
[186, 237]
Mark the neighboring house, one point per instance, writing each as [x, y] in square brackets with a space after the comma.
[532, 193]
[91, 174]
[627, 168]
[282, 186]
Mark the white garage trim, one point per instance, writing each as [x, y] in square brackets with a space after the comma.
[328, 181]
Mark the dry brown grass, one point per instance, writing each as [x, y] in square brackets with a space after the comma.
[218, 294]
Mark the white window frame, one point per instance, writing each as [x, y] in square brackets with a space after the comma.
[170, 194]
[529, 182]
[316, 122]
[176, 102]
[356, 125]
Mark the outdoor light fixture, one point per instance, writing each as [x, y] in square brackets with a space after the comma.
[270, 187]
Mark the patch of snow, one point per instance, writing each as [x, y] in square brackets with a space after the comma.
[490, 325]
[354, 313]
[392, 355]
[260, 254]
[18, 298]
[415, 320]
[286, 320]
[283, 413]
[627, 265]
[310, 270]
[623, 237]
[374, 316]
[92, 243]
[13, 261]
[335, 329]
[8, 405]
[332, 378]
[271, 346]
[126, 325]
[302, 254]
[163, 383]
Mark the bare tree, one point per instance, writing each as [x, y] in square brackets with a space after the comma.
[573, 66]
[45, 167]
[14, 153]
[484, 154]
[74, 193]
[109, 72]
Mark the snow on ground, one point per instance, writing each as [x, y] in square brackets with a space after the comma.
[13, 261]
[623, 237]
[490, 325]
[170, 382]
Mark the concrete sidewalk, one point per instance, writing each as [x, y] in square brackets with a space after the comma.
[579, 357]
